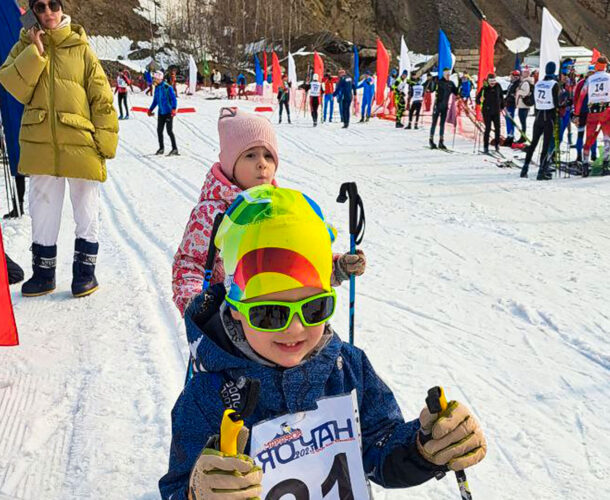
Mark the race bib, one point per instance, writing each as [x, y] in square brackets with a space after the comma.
[316, 89]
[599, 88]
[312, 455]
[418, 92]
[543, 92]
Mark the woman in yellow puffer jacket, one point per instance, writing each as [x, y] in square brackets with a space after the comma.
[69, 129]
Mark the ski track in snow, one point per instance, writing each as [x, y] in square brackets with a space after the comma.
[493, 286]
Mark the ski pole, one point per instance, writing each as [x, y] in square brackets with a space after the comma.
[437, 403]
[207, 278]
[356, 231]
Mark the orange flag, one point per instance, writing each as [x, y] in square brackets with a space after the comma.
[8, 327]
[276, 72]
[383, 67]
[489, 36]
[595, 57]
[318, 65]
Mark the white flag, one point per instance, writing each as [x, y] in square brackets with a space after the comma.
[292, 69]
[549, 41]
[405, 61]
[192, 75]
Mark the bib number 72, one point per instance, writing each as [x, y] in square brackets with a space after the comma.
[339, 474]
[542, 94]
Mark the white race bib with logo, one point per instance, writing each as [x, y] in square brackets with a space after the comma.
[312, 455]
[543, 92]
[315, 89]
[599, 88]
[418, 93]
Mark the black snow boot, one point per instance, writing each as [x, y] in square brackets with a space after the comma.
[43, 265]
[524, 170]
[606, 168]
[367, 118]
[83, 268]
[486, 150]
[15, 273]
[361, 120]
[431, 143]
[399, 125]
[14, 214]
[441, 144]
[586, 169]
[544, 175]
[416, 126]
[160, 151]
[173, 152]
[408, 127]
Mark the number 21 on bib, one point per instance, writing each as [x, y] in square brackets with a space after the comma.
[312, 455]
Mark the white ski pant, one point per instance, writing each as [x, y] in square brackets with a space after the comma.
[46, 203]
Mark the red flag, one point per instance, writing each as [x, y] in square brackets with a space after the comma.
[489, 36]
[276, 72]
[452, 114]
[383, 67]
[8, 327]
[596, 56]
[318, 65]
[265, 65]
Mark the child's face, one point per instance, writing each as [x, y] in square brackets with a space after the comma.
[254, 167]
[289, 347]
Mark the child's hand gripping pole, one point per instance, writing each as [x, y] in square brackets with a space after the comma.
[356, 232]
[437, 403]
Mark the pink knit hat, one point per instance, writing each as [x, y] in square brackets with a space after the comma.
[240, 131]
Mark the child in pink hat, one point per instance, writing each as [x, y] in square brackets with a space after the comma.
[248, 158]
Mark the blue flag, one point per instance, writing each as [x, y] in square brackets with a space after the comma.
[259, 71]
[356, 65]
[11, 108]
[444, 53]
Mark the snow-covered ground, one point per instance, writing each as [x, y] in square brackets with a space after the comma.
[493, 286]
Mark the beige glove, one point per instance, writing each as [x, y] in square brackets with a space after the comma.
[348, 264]
[217, 476]
[457, 438]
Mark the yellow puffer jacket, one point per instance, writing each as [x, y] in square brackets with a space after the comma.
[69, 126]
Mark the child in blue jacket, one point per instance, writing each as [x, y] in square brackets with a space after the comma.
[272, 326]
[165, 98]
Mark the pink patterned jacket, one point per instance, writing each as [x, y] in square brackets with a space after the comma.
[217, 194]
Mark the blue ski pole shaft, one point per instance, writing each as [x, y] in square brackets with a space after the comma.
[352, 294]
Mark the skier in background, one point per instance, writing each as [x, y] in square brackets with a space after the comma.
[122, 84]
[465, 91]
[524, 100]
[241, 85]
[511, 105]
[546, 93]
[315, 91]
[444, 89]
[597, 89]
[329, 99]
[416, 95]
[344, 93]
[283, 97]
[148, 78]
[165, 99]
[491, 100]
[429, 89]
[581, 112]
[368, 84]
[399, 88]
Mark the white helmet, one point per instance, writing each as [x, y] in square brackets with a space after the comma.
[316, 77]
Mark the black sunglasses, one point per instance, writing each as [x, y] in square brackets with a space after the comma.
[41, 7]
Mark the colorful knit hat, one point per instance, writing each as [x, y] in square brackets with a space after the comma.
[272, 240]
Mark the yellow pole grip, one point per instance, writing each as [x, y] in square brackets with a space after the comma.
[442, 399]
[229, 431]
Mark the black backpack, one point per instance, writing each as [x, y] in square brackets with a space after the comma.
[529, 99]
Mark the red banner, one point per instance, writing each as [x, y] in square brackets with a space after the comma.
[489, 36]
[596, 56]
[276, 72]
[265, 65]
[318, 65]
[383, 67]
[8, 327]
